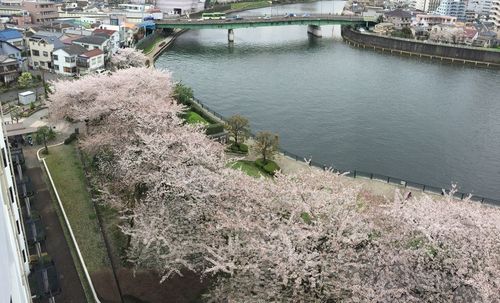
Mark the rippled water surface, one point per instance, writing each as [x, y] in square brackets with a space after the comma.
[351, 108]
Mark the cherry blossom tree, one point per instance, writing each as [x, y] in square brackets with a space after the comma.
[312, 236]
[129, 57]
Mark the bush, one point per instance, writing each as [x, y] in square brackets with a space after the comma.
[239, 148]
[269, 166]
[70, 139]
[213, 129]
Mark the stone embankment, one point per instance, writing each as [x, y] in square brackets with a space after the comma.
[449, 53]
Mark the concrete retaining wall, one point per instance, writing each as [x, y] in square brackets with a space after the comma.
[466, 55]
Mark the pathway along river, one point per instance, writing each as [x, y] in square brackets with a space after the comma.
[418, 120]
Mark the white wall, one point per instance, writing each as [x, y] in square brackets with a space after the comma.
[13, 266]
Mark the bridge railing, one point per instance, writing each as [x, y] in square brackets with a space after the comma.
[369, 175]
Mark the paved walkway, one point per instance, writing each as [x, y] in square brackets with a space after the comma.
[55, 243]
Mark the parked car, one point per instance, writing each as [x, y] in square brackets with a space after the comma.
[289, 15]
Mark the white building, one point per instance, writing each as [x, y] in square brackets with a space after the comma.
[90, 61]
[495, 13]
[480, 7]
[454, 8]
[64, 59]
[95, 42]
[14, 261]
[426, 5]
[178, 7]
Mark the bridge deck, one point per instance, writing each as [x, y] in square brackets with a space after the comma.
[231, 23]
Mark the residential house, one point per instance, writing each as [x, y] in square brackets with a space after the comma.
[13, 37]
[10, 51]
[9, 69]
[41, 12]
[470, 35]
[399, 18]
[90, 61]
[113, 36]
[430, 20]
[443, 33]
[41, 48]
[64, 59]
[95, 42]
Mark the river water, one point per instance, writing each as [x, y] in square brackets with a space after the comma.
[350, 108]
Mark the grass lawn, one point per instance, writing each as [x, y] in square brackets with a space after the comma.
[67, 172]
[249, 168]
[192, 118]
[149, 47]
[249, 5]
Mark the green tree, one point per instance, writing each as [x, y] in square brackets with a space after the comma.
[25, 80]
[406, 33]
[44, 134]
[266, 145]
[182, 93]
[238, 127]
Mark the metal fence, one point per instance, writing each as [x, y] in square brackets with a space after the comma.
[367, 175]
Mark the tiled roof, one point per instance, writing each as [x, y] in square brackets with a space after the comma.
[398, 13]
[95, 40]
[103, 32]
[92, 53]
[50, 40]
[74, 49]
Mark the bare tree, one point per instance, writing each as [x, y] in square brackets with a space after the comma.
[239, 128]
[266, 144]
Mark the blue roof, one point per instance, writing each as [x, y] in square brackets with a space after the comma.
[9, 34]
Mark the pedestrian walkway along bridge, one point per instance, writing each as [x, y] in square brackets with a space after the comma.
[312, 21]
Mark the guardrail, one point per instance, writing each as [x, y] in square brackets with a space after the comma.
[68, 225]
[367, 175]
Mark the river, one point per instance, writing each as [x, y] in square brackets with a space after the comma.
[350, 108]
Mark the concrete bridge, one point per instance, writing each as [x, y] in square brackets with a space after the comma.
[313, 22]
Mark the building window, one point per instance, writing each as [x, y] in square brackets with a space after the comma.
[11, 192]
[56, 67]
[55, 57]
[4, 156]
[24, 256]
[96, 47]
[18, 229]
[45, 54]
[34, 52]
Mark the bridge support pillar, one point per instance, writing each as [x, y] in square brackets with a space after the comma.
[230, 35]
[314, 30]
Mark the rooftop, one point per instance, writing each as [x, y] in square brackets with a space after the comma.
[399, 13]
[92, 53]
[96, 40]
[9, 34]
[74, 49]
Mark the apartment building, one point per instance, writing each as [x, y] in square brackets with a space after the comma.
[495, 13]
[454, 8]
[14, 261]
[41, 12]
